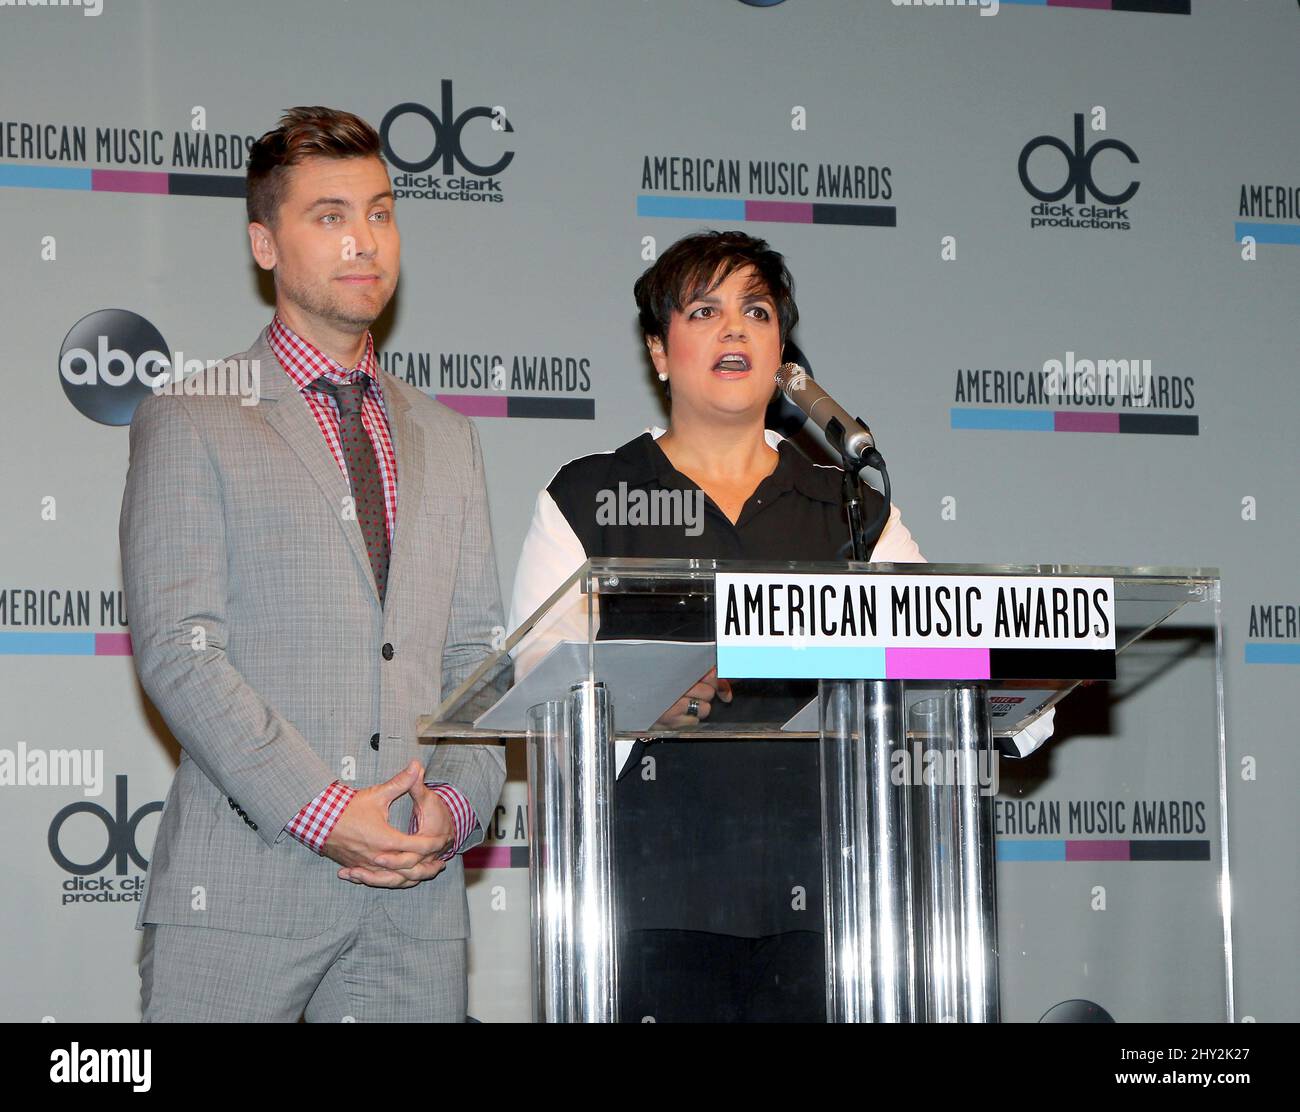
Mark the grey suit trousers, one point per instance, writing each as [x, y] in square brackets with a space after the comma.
[362, 969]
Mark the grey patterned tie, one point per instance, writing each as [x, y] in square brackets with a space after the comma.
[363, 473]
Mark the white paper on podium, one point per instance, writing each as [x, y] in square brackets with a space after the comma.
[1011, 708]
[644, 677]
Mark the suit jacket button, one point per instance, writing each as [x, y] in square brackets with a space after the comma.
[374, 742]
[387, 651]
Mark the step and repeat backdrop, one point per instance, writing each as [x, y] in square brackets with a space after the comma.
[1049, 250]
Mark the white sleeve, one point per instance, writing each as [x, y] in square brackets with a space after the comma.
[896, 545]
[1033, 735]
[551, 553]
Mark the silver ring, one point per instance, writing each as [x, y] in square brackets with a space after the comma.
[693, 708]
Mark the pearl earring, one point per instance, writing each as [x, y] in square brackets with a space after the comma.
[663, 377]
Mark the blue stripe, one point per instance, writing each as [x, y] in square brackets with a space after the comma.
[47, 644]
[811, 662]
[45, 177]
[1016, 850]
[1031, 420]
[1269, 233]
[1284, 652]
[692, 208]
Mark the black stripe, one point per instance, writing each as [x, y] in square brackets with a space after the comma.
[1159, 7]
[1168, 424]
[876, 216]
[1168, 850]
[206, 185]
[1051, 664]
[570, 409]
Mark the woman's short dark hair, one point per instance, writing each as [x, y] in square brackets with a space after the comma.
[698, 263]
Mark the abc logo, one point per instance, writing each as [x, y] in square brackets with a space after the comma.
[1079, 163]
[110, 362]
[121, 829]
[448, 130]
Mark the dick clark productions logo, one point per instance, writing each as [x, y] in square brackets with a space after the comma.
[448, 136]
[1079, 164]
[120, 829]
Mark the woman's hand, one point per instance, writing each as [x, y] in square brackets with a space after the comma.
[703, 693]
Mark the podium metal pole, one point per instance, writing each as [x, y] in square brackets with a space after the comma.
[972, 737]
[870, 956]
[570, 790]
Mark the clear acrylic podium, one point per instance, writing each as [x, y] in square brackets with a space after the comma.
[914, 868]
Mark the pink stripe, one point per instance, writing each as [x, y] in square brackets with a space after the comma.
[936, 664]
[779, 212]
[474, 405]
[128, 181]
[1087, 422]
[112, 644]
[488, 857]
[1078, 850]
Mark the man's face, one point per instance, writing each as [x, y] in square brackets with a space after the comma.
[335, 247]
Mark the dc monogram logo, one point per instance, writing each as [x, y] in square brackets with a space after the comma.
[121, 830]
[448, 129]
[1079, 161]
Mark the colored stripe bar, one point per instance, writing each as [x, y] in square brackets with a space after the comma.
[690, 208]
[936, 664]
[1168, 850]
[1099, 850]
[207, 185]
[1160, 424]
[1052, 664]
[1019, 420]
[44, 177]
[1070, 421]
[1061, 420]
[475, 405]
[1269, 233]
[564, 409]
[153, 182]
[128, 181]
[769, 212]
[112, 644]
[47, 644]
[810, 662]
[496, 857]
[499, 405]
[1152, 7]
[1089, 849]
[1269, 652]
[1014, 849]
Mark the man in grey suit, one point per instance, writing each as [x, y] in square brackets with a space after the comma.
[305, 576]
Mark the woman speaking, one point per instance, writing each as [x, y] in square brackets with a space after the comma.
[718, 849]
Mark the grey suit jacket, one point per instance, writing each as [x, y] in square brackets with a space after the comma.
[259, 636]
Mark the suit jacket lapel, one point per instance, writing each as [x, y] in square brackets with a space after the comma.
[408, 446]
[289, 415]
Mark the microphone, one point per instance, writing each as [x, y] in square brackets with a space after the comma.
[848, 435]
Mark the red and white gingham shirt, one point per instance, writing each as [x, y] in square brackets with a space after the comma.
[305, 363]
